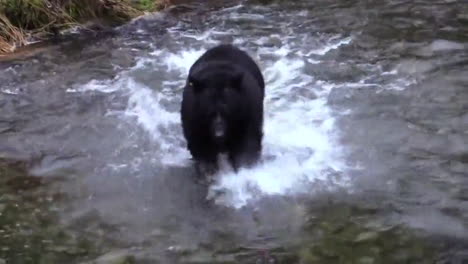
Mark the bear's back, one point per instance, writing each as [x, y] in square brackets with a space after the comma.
[231, 54]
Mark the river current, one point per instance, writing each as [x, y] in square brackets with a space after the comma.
[366, 123]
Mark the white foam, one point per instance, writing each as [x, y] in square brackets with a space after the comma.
[94, 85]
[182, 61]
[299, 133]
[144, 105]
[10, 91]
[445, 45]
[330, 46]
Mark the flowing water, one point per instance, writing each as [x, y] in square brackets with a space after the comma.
[365, 155]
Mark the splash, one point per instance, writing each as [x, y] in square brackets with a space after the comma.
[299, 147]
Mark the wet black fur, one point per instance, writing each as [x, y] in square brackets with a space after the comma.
[225, 80]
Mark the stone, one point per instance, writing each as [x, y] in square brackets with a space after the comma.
[365, 237]
[366, 260]
[115, 257]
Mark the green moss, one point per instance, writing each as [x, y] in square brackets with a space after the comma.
[147, 5]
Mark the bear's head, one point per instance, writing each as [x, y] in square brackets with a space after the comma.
[219, 99]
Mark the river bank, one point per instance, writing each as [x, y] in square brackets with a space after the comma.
[23, 22]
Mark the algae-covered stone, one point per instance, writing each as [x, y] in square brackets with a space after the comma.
[30, 231]
[366, 260]
[204, 257]
[115, 257]
[71, 250]
[366, 237]
[308, 257]
[355, 236]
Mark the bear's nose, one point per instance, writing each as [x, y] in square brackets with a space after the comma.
[219, 126]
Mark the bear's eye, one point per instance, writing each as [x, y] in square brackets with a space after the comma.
[194, 83]
[196, 86]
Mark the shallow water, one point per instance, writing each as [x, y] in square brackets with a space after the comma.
[366, 137]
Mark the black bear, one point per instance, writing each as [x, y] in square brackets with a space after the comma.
[222, 109]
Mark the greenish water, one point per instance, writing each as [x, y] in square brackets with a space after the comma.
[365, 156]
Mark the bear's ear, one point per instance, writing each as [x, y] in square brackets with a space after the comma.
[236, 80]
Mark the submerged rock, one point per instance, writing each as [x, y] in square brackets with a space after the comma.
[366, 260]
[29, 222]
[204, 257]
[115, 257]
[366, 237]
[342, 234]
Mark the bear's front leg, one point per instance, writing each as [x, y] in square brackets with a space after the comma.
[206, 168]
[245, 154]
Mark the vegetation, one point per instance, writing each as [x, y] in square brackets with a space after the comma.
[21, 20]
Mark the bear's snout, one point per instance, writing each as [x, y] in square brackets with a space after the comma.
[219, 127]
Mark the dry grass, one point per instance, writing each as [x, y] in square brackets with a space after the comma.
[22, 18]
[10, 36]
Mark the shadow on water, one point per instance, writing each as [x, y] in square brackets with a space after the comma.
[93, 186]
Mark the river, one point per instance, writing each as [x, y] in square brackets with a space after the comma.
[365, 155]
